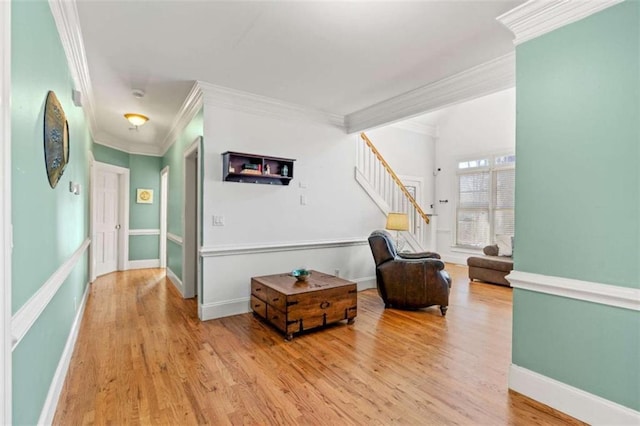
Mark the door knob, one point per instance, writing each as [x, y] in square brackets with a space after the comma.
[117, 226]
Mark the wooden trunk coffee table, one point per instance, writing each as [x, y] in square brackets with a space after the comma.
[293, 306]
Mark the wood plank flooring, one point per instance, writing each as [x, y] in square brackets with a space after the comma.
[142, 357]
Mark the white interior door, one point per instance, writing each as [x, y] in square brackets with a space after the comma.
[414, 186]
[106, 221]
[164, 192]
[190, 243]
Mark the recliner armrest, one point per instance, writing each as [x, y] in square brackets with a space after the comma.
[421, 255]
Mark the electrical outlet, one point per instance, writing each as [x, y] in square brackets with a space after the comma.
[336, 272]
[302, 185]
[218, 220]
[303, 200]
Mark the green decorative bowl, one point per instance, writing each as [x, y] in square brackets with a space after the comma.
[301, 274]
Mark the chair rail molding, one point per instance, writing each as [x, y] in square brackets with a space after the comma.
[175, 238]
[280, 247]
[136, 232]
[29, 313]
[535, 18]
[224, 97]
[489, 77]
[604, 294]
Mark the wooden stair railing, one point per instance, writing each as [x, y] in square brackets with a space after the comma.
[395, 178]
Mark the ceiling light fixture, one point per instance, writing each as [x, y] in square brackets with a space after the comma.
[136, 119]
[138, 93]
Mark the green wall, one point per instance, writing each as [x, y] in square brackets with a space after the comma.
[49, 225]
[144, 172]
[105, 154]
[174, 158]
[578, 200]
[144, 247]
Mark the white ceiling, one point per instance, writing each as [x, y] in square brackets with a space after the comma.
[338, 57]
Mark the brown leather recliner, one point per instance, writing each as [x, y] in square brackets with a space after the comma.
[408, 280]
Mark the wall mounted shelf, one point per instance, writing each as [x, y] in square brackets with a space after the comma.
[253, 168]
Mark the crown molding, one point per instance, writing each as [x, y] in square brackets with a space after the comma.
[190, 107]
[420, 128]
[535, 18]
[126, 146]
[489, 77]
[224, 97]
[65, 15]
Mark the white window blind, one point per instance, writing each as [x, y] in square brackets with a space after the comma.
[504, 202]
[486, 199]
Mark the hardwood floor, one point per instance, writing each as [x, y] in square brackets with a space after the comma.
[142, 357]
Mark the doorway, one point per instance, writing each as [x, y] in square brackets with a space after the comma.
[414, 187]
[5, 212]
[164, 192]
[191, 223]
[109, 219]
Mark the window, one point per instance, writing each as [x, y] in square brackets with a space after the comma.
[486, 199]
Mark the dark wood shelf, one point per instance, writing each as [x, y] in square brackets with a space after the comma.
[234, 162]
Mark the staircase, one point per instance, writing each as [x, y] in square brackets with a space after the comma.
[377, 178]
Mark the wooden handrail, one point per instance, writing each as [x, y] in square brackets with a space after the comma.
[395, 177]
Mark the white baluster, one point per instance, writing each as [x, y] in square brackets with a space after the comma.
[372, 162]
[375, 175]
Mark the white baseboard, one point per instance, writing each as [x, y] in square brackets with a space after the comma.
[208, 311]
[144, 264]
[226, 308]
[455, 259]
[177, 282]
[572, 401]
[51, 403]
[365, 283]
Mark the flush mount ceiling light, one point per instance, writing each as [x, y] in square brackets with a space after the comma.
[136, 119]
[138, 93]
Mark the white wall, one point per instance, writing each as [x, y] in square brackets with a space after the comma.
[337, 208]
[338, 211]
[408, 153]
[481, 126]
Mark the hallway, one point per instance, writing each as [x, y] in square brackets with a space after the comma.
[142, 357]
